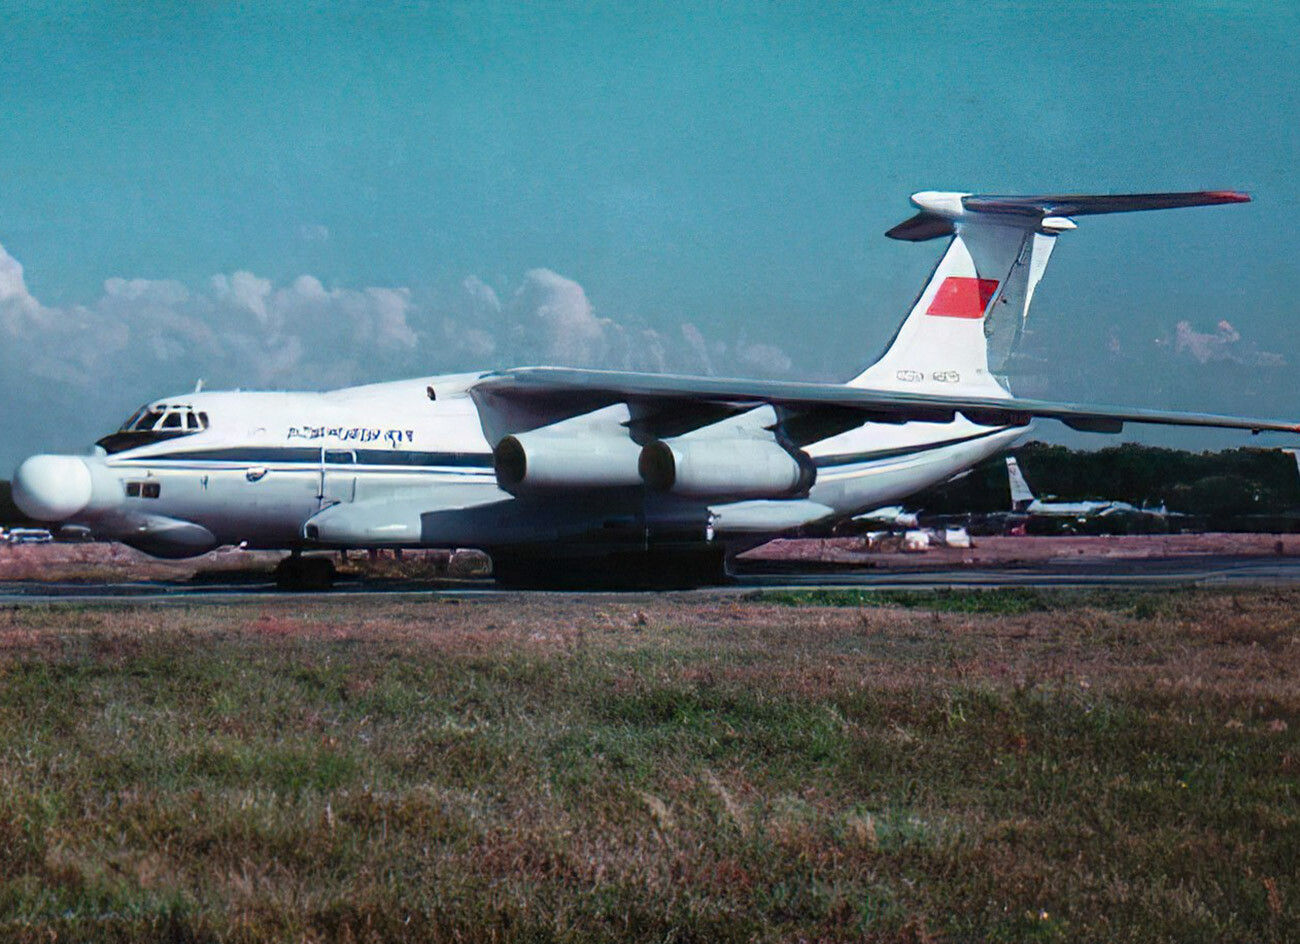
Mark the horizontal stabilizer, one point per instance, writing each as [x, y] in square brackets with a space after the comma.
[940, 211]
[1087, 204]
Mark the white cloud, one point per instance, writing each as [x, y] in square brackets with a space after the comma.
[482, 297]
[17, 306]
[143, 338]
[554, 312]
[763, 358]
[698, 347]
[1221, 344]
[244, 291]
[242, 330]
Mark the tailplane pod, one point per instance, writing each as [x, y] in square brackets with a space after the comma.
[973, 309]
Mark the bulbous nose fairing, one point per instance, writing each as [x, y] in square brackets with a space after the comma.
[52, 488]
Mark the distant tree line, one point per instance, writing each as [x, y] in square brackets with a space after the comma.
[9, 513]
[1231, 482]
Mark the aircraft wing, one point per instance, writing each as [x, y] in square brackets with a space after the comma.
[551, 393]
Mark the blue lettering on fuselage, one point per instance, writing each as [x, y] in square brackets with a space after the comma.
[394, 437]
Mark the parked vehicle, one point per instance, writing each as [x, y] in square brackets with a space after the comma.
[29, 536]
[74, 534]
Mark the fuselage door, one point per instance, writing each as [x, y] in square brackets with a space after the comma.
[338, 476]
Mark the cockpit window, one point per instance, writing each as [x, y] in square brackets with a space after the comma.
[154, 423]
[145, 420]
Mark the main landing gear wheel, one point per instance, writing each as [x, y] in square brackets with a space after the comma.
[296, 572]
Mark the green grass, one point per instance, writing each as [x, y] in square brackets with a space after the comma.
[1099, 767]
[998, 600]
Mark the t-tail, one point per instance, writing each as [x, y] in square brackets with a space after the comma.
[1294, 454]
[1021, 496]
[973, 309]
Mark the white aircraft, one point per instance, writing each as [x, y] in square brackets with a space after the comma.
[1024, 501]
[1294, 454]
[891, 518]
[562, 473]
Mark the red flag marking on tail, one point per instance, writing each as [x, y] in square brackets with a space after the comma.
[960, 297]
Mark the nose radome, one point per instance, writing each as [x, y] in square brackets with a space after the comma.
[52, 488]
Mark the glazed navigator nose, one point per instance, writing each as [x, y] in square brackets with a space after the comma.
[52, 488]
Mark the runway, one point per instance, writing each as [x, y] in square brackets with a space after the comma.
[1200, 571]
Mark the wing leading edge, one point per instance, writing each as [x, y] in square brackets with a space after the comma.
[603, 387]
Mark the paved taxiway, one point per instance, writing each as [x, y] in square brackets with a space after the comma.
[1206, 571]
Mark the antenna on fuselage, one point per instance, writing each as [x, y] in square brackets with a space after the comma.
[198, 385]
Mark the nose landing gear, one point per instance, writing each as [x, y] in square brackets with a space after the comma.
[296, 572]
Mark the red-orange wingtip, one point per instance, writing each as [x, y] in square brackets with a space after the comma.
[1228, 196]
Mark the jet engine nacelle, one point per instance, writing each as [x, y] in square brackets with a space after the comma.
[588, 451]
[724, 468]
[543, 460]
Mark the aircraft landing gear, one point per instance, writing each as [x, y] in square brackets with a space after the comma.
[296, 572]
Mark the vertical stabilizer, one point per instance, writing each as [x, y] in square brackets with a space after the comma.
[1021, 496]
[973, 309]
[1294, 454]
[942, 346]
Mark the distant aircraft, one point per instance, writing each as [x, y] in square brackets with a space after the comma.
[1024, 501]
[565, 474]
[1294, 454]
[891, 518]
[29, 536]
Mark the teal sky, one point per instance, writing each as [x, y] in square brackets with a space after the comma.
[731, 167]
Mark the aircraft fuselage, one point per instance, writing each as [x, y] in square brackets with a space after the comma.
[386, 465]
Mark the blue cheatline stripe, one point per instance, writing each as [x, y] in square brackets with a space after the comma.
[293, 454]
[854, 458]
[299, 455]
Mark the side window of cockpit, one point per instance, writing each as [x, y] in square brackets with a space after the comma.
[173, 421]
[203, 420]
[143, 489]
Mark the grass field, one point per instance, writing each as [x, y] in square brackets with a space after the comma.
[1013, 766]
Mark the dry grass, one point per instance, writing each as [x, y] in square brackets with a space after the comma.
[547, 768]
